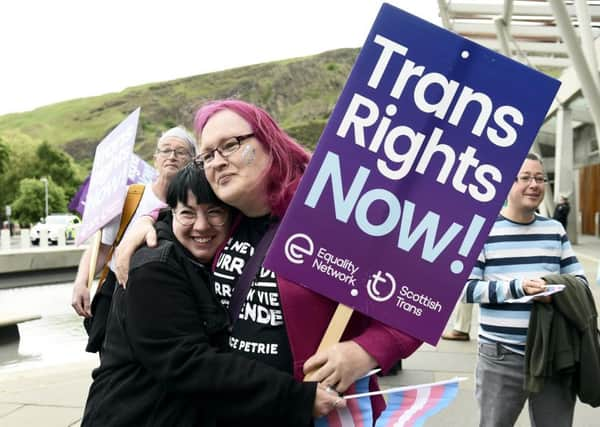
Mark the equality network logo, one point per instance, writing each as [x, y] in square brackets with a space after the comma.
[297, 247]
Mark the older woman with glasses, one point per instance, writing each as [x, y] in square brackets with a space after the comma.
[165, 357]
[174, 149]
[253, 165]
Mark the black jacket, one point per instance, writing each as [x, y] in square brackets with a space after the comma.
[563, 341]
[164, 361]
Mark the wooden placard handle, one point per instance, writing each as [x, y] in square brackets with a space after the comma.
[334, 331]
[94, 257]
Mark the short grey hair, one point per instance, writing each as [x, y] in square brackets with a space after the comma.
[182, 134]
[533, 156]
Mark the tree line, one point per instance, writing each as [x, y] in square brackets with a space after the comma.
[22, 187]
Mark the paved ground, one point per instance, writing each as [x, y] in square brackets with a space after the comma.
[55, 396]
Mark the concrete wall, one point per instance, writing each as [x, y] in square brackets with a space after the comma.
[36, 266]
[20, 260]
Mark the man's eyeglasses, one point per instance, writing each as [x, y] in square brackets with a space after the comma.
[217, 217]
[526, 179]
[179, 152]
[226, 149]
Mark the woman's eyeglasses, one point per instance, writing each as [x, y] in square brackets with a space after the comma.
[168, 151]
[226, 149]
[217, 217]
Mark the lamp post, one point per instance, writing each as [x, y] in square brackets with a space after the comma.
[45, 181]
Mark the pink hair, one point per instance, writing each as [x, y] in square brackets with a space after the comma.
[288, 158]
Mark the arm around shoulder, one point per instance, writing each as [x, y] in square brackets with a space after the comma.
[139, 232]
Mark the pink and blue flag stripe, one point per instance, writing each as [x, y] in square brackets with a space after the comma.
[357, 413]
[413, 407]
[409, 406]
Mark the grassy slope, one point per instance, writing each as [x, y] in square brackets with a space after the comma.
[300, 93]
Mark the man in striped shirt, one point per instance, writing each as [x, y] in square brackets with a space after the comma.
[522, 248]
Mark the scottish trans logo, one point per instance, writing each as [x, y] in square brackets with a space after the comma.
[381, 286]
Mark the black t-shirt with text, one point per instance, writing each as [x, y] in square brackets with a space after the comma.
[259, 332]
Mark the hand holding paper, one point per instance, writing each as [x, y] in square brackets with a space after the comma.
[548, 290]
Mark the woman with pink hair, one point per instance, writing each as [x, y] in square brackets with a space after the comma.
[254, 166]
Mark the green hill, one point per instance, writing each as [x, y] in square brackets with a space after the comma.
[300, 93]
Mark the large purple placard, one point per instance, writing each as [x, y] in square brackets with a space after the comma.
[410, 172]
[108, 182]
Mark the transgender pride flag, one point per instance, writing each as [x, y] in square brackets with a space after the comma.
[406, 406]
[412, 406]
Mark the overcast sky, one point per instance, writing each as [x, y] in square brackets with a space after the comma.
[65, 49]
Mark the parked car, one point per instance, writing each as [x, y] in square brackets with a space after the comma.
[54, 223]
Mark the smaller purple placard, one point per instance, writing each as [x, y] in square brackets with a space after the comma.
[108, 181]
[140, 172]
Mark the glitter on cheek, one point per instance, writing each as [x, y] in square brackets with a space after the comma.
[249, 154]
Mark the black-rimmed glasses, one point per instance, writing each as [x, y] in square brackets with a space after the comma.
[226, 149]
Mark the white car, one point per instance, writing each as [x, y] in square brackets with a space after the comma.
[54, 223]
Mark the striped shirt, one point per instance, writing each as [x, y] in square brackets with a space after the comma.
[512, 253]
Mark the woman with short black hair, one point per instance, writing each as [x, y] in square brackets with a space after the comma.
[165, 357]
